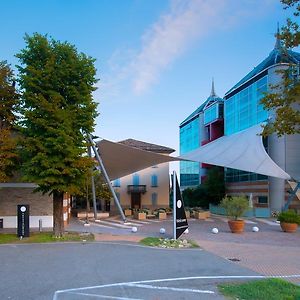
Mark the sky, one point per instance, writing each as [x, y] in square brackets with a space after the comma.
[155, 59]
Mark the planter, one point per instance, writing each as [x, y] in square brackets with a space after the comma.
[128, 212]
[201, 215]
[236, 226]
[140, 216]
[289, 227]
[162, 216]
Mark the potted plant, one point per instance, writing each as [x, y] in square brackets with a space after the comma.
[289, 221]
[128, 212]
[200, 214]
[141, 214]
[161, 213]
[235, 207]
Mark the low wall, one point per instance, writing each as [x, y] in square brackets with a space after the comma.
[258, 212]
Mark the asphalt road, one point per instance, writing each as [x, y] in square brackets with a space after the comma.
[111, 271]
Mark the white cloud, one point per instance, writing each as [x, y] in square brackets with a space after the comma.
[171, 35]
[186, 22]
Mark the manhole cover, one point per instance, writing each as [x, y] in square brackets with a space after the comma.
[234, 259]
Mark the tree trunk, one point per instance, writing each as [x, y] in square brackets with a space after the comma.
[58, 219]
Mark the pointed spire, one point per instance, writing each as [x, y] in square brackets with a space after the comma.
[213, 93]
[278, 44]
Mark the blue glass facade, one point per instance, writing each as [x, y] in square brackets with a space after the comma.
[189, 140]
[243, 109]
[213, 112]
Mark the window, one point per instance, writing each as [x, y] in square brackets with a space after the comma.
[262, 200]
[244, 109]
[136, 179]
[117, 183]
[154, 199]
[154, 180]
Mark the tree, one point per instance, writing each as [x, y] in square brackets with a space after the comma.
[8, 106]
[102, 190]
[57, 109]
[215, 185]
[285, 98]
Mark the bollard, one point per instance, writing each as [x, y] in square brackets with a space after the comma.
[40, 225]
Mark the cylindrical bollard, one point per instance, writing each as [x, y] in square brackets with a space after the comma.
[40, 225]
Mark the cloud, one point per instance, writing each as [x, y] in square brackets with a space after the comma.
[185, 23]
[171, 35]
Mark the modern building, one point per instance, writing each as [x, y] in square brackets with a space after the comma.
[242, 109]
[148, 188]
[204, 125]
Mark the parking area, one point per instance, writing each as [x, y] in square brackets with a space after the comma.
[116, 267]
[269, 251]
[113, 271]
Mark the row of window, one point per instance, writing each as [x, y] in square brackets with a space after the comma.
[136, 181]
[233, 175]
[244, 109]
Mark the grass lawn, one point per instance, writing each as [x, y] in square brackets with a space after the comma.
[44, 237]
[272, 288]
[168, 243]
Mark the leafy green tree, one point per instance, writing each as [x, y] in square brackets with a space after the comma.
[8, 106]
[285, 98]
[57, 109]
[101, 189]
[215, 185]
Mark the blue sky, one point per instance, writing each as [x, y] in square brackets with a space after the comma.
[155, 59]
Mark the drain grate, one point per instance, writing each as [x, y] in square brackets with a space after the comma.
[234, 259]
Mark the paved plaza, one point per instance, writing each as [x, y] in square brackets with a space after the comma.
[269, 252]
[117, 267]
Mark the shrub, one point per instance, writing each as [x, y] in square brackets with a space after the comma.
[235, 206]
[289, 216]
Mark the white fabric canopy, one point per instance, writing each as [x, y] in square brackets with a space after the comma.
[243, 151]
[120, 160]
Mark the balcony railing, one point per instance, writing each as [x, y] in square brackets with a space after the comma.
[136, 189]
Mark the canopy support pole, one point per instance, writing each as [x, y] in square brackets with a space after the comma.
[102, 168]
[291, 196]
[174, 205]
[93, 187]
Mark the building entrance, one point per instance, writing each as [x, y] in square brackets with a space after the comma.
[136, 200]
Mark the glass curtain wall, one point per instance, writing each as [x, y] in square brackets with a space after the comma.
[189, 140]
[244, 110]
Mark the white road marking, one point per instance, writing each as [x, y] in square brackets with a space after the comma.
[102, 296]
[125, 224]
[173, 279]
[267, 222]
[249, 222]
[113, 224]
[139, 221]
[145, 286]
[100, 225]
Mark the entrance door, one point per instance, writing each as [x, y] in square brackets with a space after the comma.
[136, 200]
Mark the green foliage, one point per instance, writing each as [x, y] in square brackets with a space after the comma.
[285, 98]
[193, 197]
[289, 216]
[212, 191]
[272, 288]
[215, 185]
[8, 106]
[44, 237]
[235, 206]
[57, 108]
[85, 190]
[168, 243]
